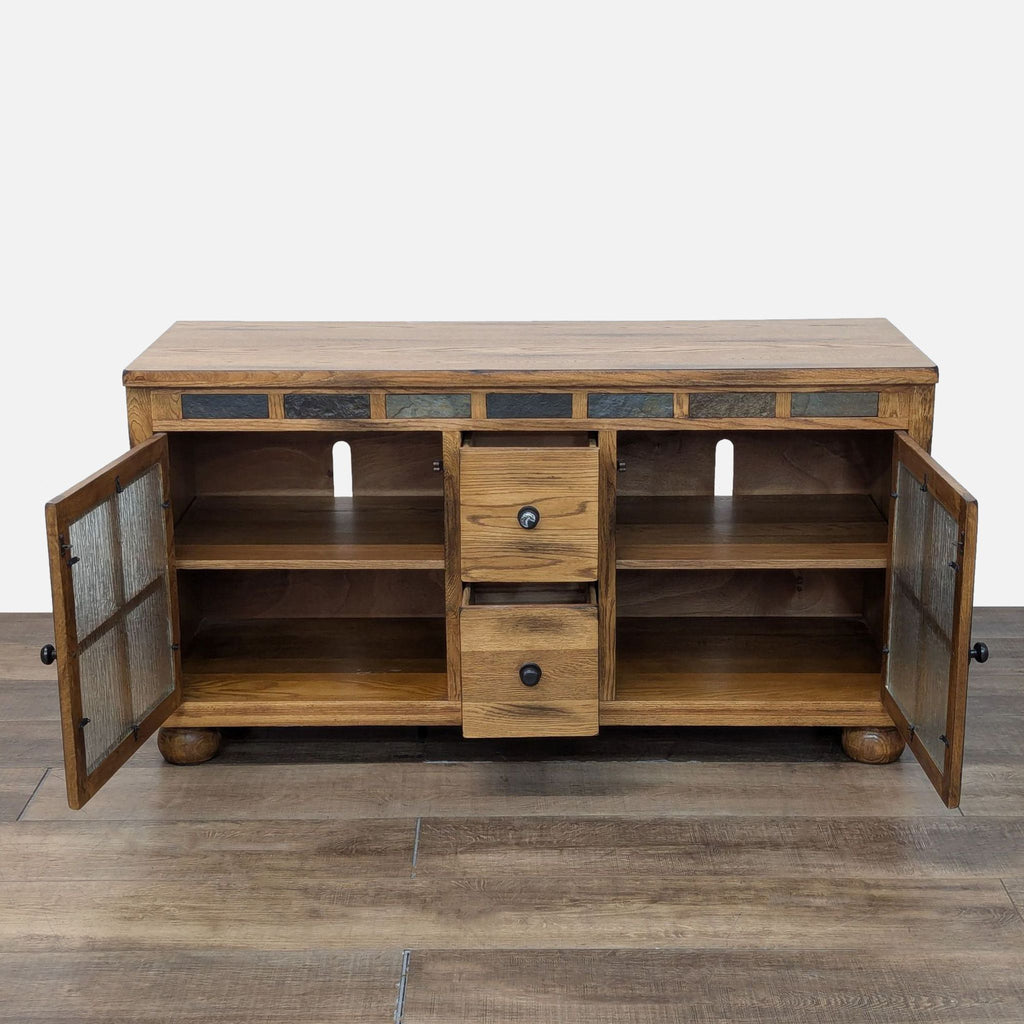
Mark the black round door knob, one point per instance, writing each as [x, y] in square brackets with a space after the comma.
[978, 653]
[528, 517]
[48, 654]
[530, 674]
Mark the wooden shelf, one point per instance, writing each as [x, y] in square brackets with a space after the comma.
[746, 671]
[311, 532]
[318, 672]
[800, 531]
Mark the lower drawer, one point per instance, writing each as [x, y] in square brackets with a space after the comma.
[529, 660]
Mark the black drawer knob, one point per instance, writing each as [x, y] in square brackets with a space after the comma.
[48, 654]
[528, 517]
[530, 674]
[978, 653]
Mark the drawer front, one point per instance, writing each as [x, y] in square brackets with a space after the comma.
[498, 641]
[558, 484]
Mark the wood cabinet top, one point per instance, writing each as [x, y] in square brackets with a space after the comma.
[533, 354]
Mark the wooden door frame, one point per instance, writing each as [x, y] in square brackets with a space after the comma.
[61, 512]
[963, 508]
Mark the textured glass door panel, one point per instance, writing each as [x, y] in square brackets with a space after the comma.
[105, 711]
[924, 559]
[931, 577]
[95, 574]
[115, 613]
[140, 517]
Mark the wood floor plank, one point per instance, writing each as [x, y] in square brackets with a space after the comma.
[16, 788]
[626, 986]
[29, 700]
[93, 851]
[996, 680]
[990, 790]
[23, 627]
[227, 986]
[888, 847]
[158, 792]
[288, 913]
[1015, 890]
[19, 660]
[30, 743]
[995, 729]
[998, 622]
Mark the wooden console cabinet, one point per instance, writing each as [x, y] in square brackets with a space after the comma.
[533, 544]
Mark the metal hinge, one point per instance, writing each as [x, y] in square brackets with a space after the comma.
[64, 549]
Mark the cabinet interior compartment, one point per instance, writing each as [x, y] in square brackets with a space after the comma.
[331, 647]
[258, 500]
[795, 499]
[719, 647]
[529, 594]
[529, 439]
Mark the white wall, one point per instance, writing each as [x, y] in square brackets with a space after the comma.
[502, 161]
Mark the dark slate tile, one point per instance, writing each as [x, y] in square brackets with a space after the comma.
[637, 406]
[551, 407]
[327, 407]
[730, 404]
[428, 406]
[834, 403]
[225, 407]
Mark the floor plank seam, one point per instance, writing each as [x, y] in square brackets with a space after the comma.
[1013, 902]
[400, 998]
[416, 845]
[32, 796]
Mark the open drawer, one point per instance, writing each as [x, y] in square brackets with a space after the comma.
[529, 660]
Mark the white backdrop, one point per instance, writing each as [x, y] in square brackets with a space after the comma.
[503, 161]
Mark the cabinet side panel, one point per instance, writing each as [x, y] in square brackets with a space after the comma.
[140, 415]
[922, 412]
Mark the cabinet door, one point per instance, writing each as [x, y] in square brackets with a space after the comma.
[932, 533]
[115, 614]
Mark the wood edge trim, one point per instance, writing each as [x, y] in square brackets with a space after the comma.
[767, 378]
[451, 468]
[924, 759]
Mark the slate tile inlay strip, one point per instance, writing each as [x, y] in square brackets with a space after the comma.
[327, 407]
[225, 407]
[529, 406]
[428, 406]
[732, 405]
[834, 403]
[635, 406]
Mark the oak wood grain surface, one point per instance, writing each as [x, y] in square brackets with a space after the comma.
[751, 532]
[311, 533]
[380, 875]
[253, 354]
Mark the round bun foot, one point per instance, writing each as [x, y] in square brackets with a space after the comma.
[188, 746]
[872, 745]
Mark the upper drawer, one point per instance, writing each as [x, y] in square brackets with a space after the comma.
[529, 514]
